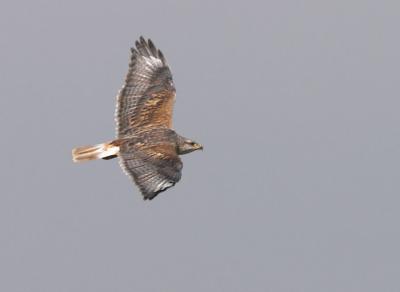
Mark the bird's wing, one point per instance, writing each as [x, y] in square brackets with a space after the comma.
[153, 168]
[146, 99]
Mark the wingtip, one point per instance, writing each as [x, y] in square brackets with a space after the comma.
[152, 48]
[161, 56]
[137, 44]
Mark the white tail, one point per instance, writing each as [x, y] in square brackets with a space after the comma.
[99, 151]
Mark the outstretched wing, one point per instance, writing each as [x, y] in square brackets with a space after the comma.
[146, 100]
[153, 168]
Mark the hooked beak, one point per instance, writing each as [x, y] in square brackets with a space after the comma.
[199, 146]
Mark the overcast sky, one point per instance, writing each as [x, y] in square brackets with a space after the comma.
[296, 103]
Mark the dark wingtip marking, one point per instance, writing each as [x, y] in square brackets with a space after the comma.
[161, 56]
[142, 47]
[137, 44]
[151, 196]
[152, 48]
[145, 49]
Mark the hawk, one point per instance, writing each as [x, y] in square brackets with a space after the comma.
[147, 147]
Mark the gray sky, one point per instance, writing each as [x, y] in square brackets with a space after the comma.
[296, 103]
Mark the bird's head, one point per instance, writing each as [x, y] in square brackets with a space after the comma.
[186, 146]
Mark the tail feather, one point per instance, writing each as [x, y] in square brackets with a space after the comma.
[99, 151]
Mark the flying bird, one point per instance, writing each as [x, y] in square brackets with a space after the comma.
[146, 145]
